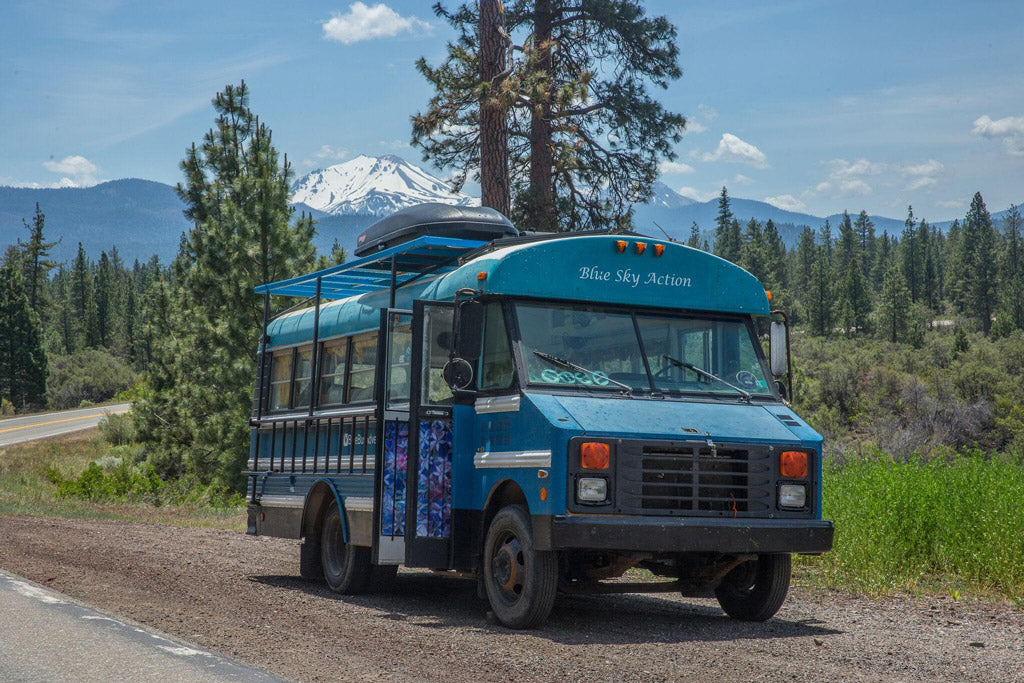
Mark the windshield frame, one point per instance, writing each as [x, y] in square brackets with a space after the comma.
[651, 390]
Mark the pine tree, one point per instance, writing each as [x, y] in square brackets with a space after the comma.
[694, 240]
[866, 242]
[854, 300]
[83, 323]
[894, 306]
[980, 244]
[585, 136]
[883, 261]
[104, 301]
[37, 265]
[775, 265]
[207, 327]
[1011, 268]
[728, 243]
[754, 251]
[820, 309]
[911, 258]
[849, 246]
[22, 359]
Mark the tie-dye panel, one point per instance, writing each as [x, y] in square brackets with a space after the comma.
[396, 453]
[434, 480]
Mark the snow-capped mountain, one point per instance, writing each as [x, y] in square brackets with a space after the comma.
[376, 186]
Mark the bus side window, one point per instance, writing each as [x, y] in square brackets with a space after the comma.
[303, 377]
[364, 365]
[496, 357]
[332, 379]
[281, 380]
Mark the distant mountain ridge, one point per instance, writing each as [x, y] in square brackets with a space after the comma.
[143, 217]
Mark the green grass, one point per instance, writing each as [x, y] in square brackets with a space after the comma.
[947, 525]
[31, 474]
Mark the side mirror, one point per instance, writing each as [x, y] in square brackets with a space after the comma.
[457, 373]
[778, 347]
[469, 324]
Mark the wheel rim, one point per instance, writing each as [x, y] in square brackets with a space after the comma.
[334, 551]
[508, 568]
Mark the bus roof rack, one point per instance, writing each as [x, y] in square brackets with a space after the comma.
[387, 268]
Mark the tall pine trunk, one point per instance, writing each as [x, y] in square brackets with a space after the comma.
[542, 192]
[494, 177]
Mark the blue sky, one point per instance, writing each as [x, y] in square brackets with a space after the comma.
[813, 105]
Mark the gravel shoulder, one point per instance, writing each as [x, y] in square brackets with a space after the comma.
[242, 596]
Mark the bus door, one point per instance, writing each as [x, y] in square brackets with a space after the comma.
[429, 510]
[393, 381]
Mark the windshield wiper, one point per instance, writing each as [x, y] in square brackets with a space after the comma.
[690, 366]
[555, 360]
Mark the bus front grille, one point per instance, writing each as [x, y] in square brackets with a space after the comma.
[695, 479]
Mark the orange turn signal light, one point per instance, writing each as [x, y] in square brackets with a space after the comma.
[768, 293]
[482, 275]
[793, 464]
[595, 455]
[659, 249]
[640, 247]
[620, 245]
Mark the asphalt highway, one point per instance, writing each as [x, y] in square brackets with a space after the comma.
[44, 425]
[48, 636]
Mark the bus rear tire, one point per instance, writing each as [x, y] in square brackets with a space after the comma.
[347, 568]
[755, 590]
[520, 581]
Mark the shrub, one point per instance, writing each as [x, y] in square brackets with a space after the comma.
[91, 375]
[6, 407]
[118, 430]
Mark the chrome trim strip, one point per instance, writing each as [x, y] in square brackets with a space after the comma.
[283, 501]
[488, 459]
[359, 504]
[331, 467]
[498, 404]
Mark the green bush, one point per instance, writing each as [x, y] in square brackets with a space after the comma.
[902, 524]
[124, 477]
[90, 375]
[118, 430]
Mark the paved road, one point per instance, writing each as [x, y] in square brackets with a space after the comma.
[41, 426]
[50, 637]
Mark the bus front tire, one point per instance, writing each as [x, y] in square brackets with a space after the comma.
[520, 581]
[347, 568]
[755, 590]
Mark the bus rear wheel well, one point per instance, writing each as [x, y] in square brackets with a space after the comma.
[318, 502]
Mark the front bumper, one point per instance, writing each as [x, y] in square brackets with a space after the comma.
[683, 534]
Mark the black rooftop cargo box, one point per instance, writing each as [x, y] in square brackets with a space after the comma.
[436, 220]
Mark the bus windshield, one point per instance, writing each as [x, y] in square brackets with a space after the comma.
[587, 348]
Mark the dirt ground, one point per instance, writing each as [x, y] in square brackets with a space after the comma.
[242, 596]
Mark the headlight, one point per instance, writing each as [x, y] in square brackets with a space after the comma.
[591, 490]
[792, 496]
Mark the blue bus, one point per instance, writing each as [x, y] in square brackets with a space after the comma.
[540, 412]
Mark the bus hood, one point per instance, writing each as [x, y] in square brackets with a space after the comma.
[681, 420]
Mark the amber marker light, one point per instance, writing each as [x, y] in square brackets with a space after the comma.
[482, 275]
[793, 464]
[543, 493]
[620, 245]
[659, 249]
[640, 247]
[595, 455]
[768, 294]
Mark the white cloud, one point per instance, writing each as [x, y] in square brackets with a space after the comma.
[786, 202]
[741, 179]
[841, 168]
[674, 168]
[363, 22]
[918, 183]
[986, 127]
[854, 186]
[954, 203]
[693, 126]
[328, 152]
[1009, 129]
[709, 113]
[395, 145]
[928, 168]
[77, 171]
[696, 195]
[731, 148]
